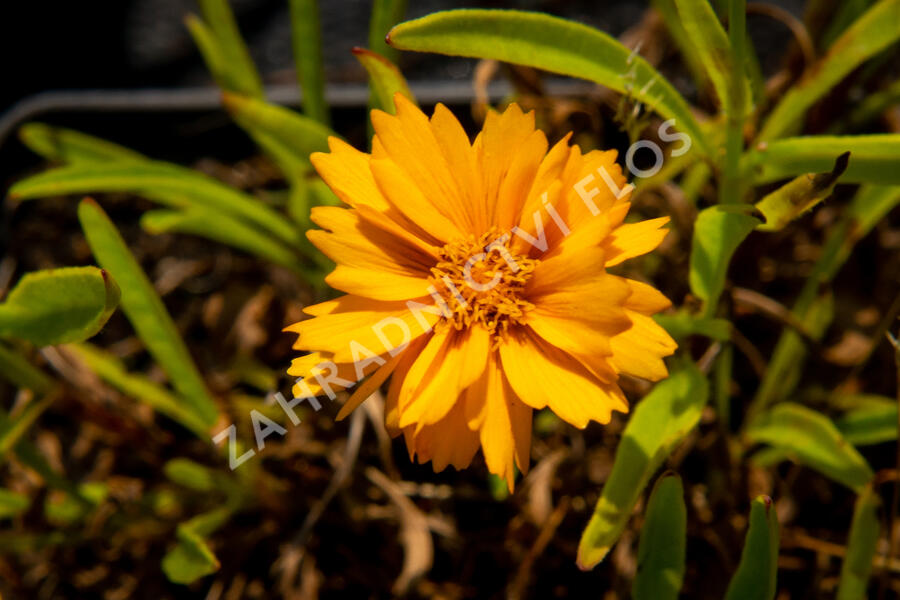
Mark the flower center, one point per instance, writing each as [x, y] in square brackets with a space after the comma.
[480, 280]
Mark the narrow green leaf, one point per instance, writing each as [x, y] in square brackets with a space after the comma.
[861, 547]
[799, 196]
[552, 44]
[145, 310]
[874, 31]
[12, 504]
[242, 73]
[718, 231]
[292, 133]
[813, 310]
[68, 146]
[756, 576]
[14, 427]
[385, 14]
[222, 228]
[162, 182]
[190, 559]
[872, 422]
[682, 324]
[191, 475]
[306, 35]
[18, 371]
[811, 439]
[714, 49]
[873, 158]
[111, 370]
[661, 550]
[385, 79]
[685, 43]
[57, 306]
[659, 422]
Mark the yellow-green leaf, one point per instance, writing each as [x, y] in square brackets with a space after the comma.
[552, 44]
[811, 439]
[800, 195]
[661, 550]
[385, 79]
[861, 547]
[58, 306]
[757, 572]
[146, 311]
[660, 421]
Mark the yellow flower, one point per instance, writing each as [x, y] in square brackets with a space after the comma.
[476, 279]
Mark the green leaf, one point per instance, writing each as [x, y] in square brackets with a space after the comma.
[306, 35]
[12, 504]
[14, 427]
[58, 306]
[190, 559]
[146, 311]
[800, 195]
[661, 550]
[872, 422]
[111, 370]
[757, 572]
[385, 79]
[811, 439]
[63, 509]
[18, 371]
[238, 70]
[685, 43]
[659, 423]
[870, 34]
[714, 49]
[813, 310]
[682, 324]
[165, 183]
[222, 228]
[552, 44]
[873, 158]
[385, 14]
[68, 146]
[287, 132]
[718, 231]
[861, 547]
[191, 475]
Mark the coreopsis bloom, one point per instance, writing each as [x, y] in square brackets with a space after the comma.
[476, 281]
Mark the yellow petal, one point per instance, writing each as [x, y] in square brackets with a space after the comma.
[496, 433]
[462, 161]
[639, 350]
[368, 387]
[410, 200]
[542, 375]
[634, 239]
[346, 171]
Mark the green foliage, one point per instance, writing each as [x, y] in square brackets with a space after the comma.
[146, 311]
[810, 438]
[872, 158]
[870, 421]
[553, 44]
[58, 306]
[224, 50]
[12, 504]
[111, 370]
[14, 427]
[306, 35]
[861, 547]
[756, 574]
[718, 231]
[661, 550]
[659, 423]
[385, 79]
[68, 146]
[385, 14]
[798, 196]
[874, 31]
